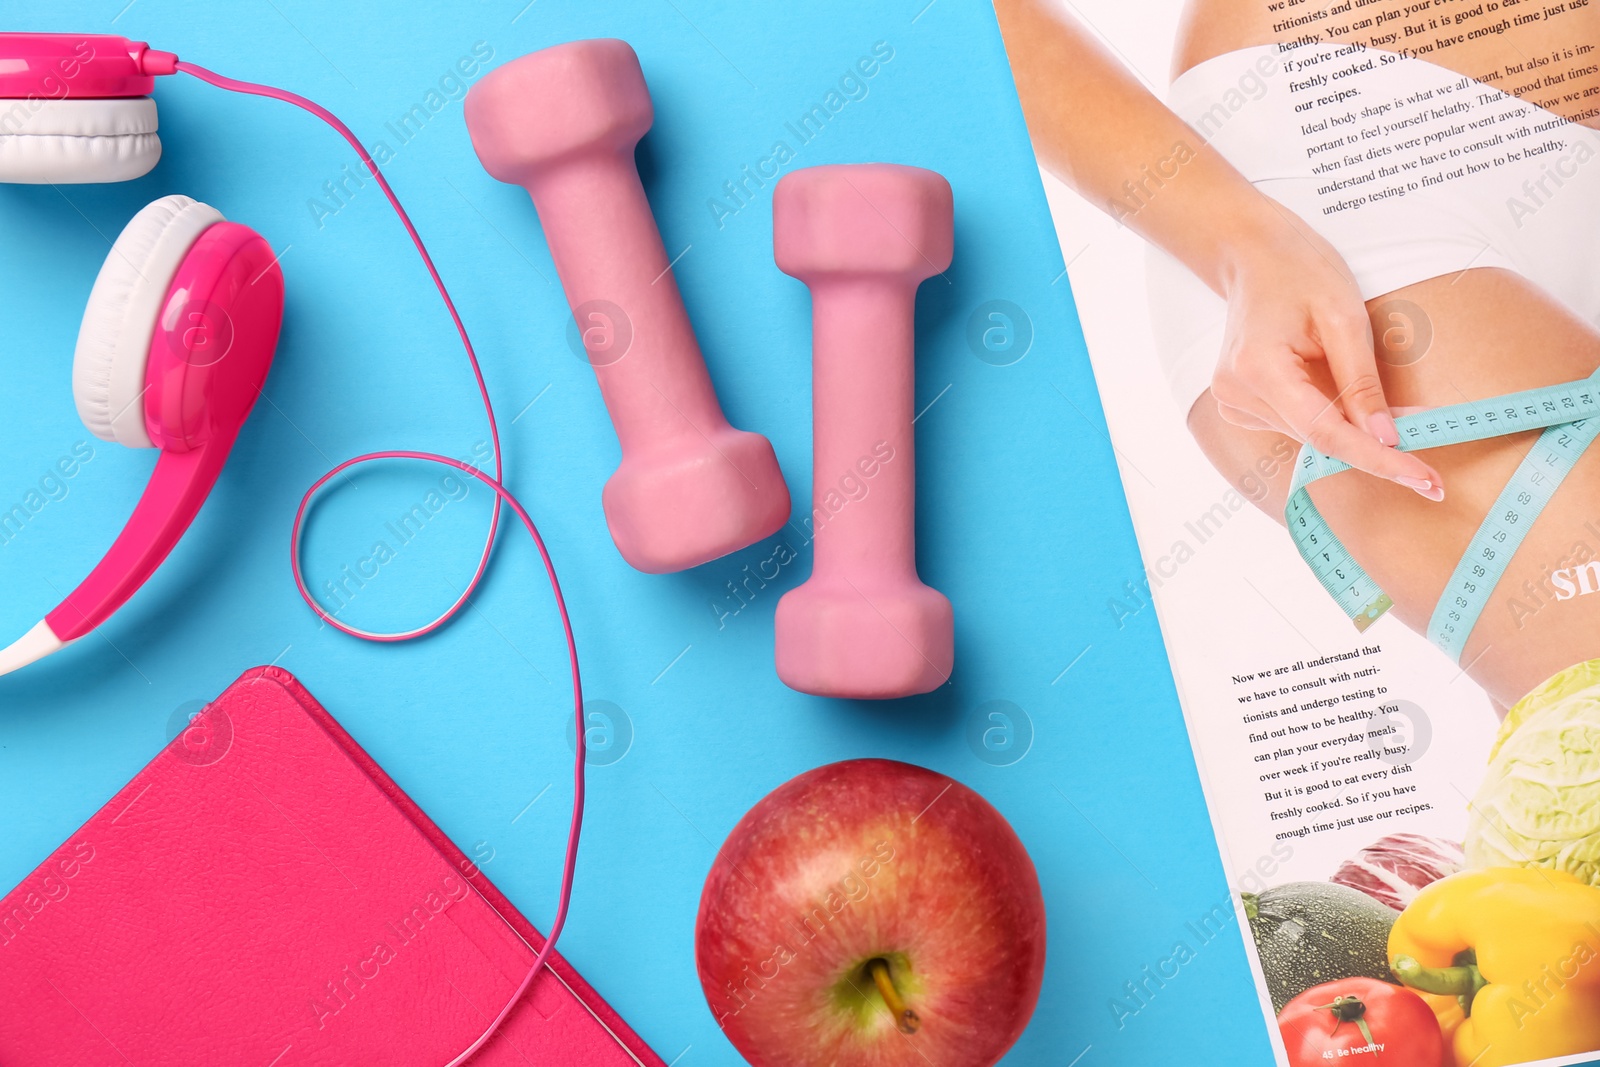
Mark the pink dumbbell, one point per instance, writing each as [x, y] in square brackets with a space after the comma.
[863, 237]
[563, 122]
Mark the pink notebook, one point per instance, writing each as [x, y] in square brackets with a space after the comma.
[262, 895]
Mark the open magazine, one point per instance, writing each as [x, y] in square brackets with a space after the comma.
[1338, 268]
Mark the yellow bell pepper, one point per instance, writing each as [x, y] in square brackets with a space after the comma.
[1520, 948]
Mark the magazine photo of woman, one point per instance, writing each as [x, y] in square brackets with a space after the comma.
[1345, 295]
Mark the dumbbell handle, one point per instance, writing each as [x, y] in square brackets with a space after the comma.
[606, 247]
[862, 352]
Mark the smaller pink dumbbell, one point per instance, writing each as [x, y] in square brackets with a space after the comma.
[563, 122]
[863, 237]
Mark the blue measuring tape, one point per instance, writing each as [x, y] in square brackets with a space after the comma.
[1565, 413]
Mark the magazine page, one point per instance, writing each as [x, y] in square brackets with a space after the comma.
[1336, 267]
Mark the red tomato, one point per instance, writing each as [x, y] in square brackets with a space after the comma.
[1361, 1022]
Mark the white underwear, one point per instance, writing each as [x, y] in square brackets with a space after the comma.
[1409, 170]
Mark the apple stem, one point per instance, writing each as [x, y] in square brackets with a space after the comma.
[907, 1020]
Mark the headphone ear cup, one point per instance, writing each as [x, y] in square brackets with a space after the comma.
[77, 141]
[108, 369]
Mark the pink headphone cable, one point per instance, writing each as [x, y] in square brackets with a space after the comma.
[164, 63]
[153, 64]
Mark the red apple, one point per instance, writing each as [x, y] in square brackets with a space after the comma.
[872, 913]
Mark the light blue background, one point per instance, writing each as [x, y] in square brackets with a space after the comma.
[1022, 522]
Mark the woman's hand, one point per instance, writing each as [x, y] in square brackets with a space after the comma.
[1298, 357]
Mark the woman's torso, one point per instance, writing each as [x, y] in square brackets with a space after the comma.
[1494, 333]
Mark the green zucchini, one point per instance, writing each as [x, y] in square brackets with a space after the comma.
[1308, 933]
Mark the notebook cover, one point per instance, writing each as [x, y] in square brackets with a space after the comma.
[262, 893]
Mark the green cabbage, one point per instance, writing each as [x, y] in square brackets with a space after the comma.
[1539, 804]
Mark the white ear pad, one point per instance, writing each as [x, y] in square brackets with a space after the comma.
[114, 341]
[77, 141]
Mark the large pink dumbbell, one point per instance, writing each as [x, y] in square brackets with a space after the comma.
[863, 237]
[563, 122]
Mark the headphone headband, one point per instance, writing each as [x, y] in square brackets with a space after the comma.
[59, 66]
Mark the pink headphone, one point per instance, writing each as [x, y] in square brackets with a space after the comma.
[179, 335]
[176, 342]
[181, 325]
